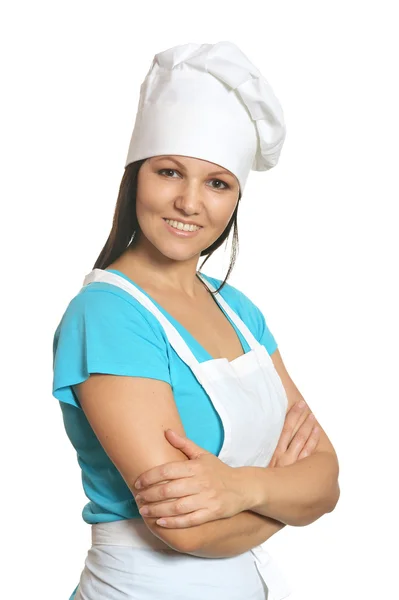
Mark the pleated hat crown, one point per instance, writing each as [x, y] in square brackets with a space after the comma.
[208, 101]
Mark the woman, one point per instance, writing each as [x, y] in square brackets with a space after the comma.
[172, 388]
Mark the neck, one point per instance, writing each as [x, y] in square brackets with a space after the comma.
[160, 273]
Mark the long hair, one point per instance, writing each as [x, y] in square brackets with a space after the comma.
[125, 224]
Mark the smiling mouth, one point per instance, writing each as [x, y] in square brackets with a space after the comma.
[186, 227]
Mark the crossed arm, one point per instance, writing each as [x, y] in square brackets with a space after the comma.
[126, 426]
[302, 492]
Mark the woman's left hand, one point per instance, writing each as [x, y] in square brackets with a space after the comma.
[190, 492]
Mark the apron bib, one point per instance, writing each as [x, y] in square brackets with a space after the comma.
[250, 399]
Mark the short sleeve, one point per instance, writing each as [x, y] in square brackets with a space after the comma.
[256, 322]
[104, 332]
[266, 338]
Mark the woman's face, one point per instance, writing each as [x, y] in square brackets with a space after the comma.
[183, 189]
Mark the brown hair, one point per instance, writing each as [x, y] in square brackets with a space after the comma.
[124, 225]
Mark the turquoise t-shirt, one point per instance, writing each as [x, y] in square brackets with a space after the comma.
[105, 330]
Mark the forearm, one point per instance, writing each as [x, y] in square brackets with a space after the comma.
[234, 535]
[220, 538]
[297, 494]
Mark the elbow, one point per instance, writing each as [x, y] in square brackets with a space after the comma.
[331, 501]
[330, 498]
[314, 512]
[334, 497]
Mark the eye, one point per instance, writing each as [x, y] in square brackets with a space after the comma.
[226, 185]
[167, 170]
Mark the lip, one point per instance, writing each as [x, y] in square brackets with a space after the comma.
[180, 232]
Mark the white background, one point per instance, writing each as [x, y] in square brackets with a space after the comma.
[318, 254]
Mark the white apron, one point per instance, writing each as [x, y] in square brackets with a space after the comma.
[126, 561]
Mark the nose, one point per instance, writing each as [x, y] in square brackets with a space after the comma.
[189, 199]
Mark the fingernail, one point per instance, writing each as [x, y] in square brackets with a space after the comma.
[137, 485]
[144, 510]
[161, 522]
[301, 404]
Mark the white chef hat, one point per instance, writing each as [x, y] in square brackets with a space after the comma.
[208, 101]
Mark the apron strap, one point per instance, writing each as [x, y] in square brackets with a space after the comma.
[250, 339]
[173, 335]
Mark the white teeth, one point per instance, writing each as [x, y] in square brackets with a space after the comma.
[182, 226]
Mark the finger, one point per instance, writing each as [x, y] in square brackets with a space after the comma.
[273, 460]
[172, 489]
[167, 471]
[190, 449]
[176, 507]
[190, 520]
[302, 418]
[290, 426]
[311, 444]
[301, 437]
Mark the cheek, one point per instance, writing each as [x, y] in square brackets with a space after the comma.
[150, 203]
[221, 216]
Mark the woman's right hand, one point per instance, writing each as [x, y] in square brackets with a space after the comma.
[299, 437]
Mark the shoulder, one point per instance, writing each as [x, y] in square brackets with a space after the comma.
[102, 306]
[239, 301]
[106, 331]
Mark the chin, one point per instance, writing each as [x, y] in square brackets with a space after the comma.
[177, 255]
[173, 248]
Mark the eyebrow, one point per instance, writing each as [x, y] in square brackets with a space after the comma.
[226, 173]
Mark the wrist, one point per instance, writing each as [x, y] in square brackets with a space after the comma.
[253, 485]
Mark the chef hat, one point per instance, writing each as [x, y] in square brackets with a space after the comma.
[208, 101]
